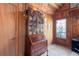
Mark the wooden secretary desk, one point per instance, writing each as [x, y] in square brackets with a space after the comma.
[35, 42]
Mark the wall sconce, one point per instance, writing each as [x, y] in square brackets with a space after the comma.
[45, 22]
[49, 26]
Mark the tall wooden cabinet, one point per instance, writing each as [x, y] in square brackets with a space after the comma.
[35, 42]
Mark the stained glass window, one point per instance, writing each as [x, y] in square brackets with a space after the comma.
[61, 28]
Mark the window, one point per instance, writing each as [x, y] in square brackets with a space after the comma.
[61, 28]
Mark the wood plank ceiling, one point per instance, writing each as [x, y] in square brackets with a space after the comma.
[47, 8]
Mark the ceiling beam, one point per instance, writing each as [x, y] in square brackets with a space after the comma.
[48, 8]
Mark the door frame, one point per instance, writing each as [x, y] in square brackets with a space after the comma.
[58, 16]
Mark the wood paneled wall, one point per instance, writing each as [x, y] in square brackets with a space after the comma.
[21, 33]
[72, 16]
[63, 13]
[48, 28]
[12, 29]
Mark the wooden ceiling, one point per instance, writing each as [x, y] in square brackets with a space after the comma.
[47, 8]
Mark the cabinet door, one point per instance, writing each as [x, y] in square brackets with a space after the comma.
[7, 30]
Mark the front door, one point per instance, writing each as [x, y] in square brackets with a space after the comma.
[60, 31]
[7, 30]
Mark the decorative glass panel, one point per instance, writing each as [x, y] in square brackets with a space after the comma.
[61, 28]
[35, 22]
